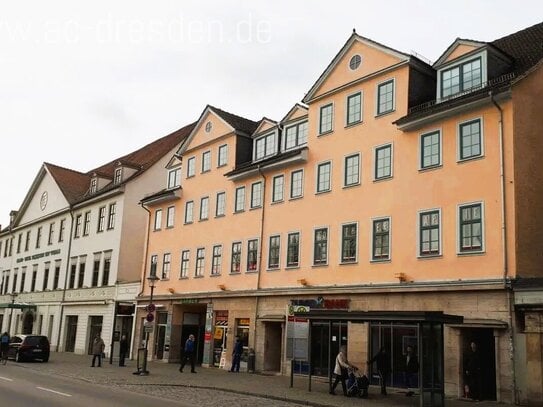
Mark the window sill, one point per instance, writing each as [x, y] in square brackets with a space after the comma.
[183, 278]
[382, 179]
[471, 253]
[251, 272]
[198, 276]
[292, 267]
[277, 202]
[255, 208]
[323, 192]
[295, 198]
[346, 263]
[429, 256]
[354, 124]
[325, 133]
[165, 279]
[476, 157]
[241, 211]
[319, 265]
[352, 185]
[215, 275]
[219, 216]
[235, 273]
[169, 227]
[273, 269]
[188, 223]
[157, 230]
[190, 176]
[205, 171]
[203, 220]
[221, 165]
[380, 261]
[431, 168]
[378, 115]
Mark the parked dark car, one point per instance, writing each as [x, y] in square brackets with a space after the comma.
[29, 347]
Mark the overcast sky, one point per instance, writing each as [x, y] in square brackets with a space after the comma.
[82, 83]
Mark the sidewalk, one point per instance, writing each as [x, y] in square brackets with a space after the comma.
[171, 382]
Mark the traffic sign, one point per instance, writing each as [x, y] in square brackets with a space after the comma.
[150, 317]
[151, 307]
[148, 328]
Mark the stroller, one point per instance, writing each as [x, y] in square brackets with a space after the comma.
[357, 384]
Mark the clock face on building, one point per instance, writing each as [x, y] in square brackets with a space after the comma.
[43, 201]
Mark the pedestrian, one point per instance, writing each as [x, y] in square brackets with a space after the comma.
[98, 346]
[123, 350]
[411, 371]
[236, 355]
[4, 346]
[341, 371]
[472, 373]
[383, 367]
[188, 354]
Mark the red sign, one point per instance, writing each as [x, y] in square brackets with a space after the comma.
[207, 336]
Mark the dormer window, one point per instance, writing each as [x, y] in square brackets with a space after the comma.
[295, 135]
[118, 176]
[93, 185]
[174, 178]
[461, 78]
[265, 146]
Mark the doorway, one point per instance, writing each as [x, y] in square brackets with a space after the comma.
[95, 327]
[160, 336]
[326, 338]
[193, 324]
[28, 323]
[71, 333]
[484, 339]
[272, 346]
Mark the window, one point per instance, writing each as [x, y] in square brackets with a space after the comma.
[323, 177]
[471, 228]
[93, 185]
[320, 247]
[383, 162]
[349, 242]
[27, 243]
[220, 207]
[200, 258]
[111, 216]
[223, 155]
[49, 237]
[101, 219]
[352, 170]
[118, 177]
[461, 78]
[296, 184]
[278, 187]
[204, 208]
[216, 261]
[381, 239]
[256, 195]
[166, 266]
[354, 108]
[191, 167]
[274, 252]
[174, 178]
[61, 230]
[236, 258]
[81, 278]
[170, 216]
[430, 150]
[158, 219]
[107, 268]
[154, 264]
[38, 239]
[34, 277]
[296, 135]
[20, 238]
[326, 118]
[73, 271]
[45, 282]
[293, 249]
[23, 280]
[265, 146]
[470, 143]
[429, 233]
[185, 256]
[77, 231]
[14, 286]
[240, 199]
[86, 224]
[96, 269]
[354, 62]
[57, 275]
[385, 97]
[252, 255]
[189, 211]
[206, 161]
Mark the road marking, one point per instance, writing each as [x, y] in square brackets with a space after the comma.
[54, 391]
[7, 379]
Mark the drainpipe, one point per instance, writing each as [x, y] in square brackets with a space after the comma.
[146, 248]
[257, 297]
[65, 276]
[506, 283]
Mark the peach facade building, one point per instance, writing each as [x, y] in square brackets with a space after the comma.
[396, 185]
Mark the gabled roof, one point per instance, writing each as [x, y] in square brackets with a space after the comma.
[459, 41]
[73, 184]
[354, 37]
[292, 110]
[264, 121]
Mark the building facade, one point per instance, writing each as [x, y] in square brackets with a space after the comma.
[71, 256]
[396, 185]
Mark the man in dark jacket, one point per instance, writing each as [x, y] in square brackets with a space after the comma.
[123, 350]
[98, 347]
[411, 370]
[383, 367]
[472, 372]
[236, 355]
[188, 354]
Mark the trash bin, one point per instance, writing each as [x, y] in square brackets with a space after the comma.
[251, 360]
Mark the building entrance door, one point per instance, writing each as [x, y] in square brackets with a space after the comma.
[485, 345]
[71, 333]
[28, 323]
[272, 346]
[160, 338]
[326, 338]
[95, 327]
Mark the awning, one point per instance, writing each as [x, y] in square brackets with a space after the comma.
[481, 323]
[271, 318]
[382, 316]
[18, 305]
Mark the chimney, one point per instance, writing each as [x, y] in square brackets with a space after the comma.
[12, 216]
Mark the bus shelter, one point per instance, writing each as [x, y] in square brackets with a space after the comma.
[430, 342]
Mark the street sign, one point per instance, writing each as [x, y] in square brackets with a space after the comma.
[150, 317]
[148, 328]
[151, 307]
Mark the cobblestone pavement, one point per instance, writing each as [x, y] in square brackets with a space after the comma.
[216, 387]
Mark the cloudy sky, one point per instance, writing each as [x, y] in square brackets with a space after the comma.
[84, 82]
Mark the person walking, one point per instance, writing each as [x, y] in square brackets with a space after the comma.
[123, 350]
[236, 355]
[98, 346]
[4, 346]
[383, 367]
[188, 354]
[472, 372]
[411, 371]
[341, 370]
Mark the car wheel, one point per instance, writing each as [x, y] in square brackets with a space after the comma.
[18, 357]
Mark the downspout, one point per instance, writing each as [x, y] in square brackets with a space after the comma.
[259, 269]
[65, 277]
[146, 248]
[506, 282]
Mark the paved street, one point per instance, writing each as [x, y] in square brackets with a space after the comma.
[211, 387]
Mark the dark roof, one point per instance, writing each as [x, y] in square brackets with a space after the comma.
[237, 122]
[73, 184]
[248, 166]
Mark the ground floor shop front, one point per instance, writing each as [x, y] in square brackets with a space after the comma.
[268, 330]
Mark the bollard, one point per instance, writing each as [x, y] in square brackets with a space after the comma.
[292, 373]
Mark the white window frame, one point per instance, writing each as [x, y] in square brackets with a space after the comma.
[170, 216]
[322, 106]
[206, 161]
[428, 133]
[296, 124]
[375, 179]
[176, 172]
[187, 219]
[223, 147]
[279, 253]
[217, 206]
[389, 257]
[377, 86]
[204, 216]
[290, 184]
[265, 137]
[191, 167]
[184, 272]
[158, 219]
[258, 248]
[440, 252]
[118, 176]
[282, 189]
[256, 201]
[196, 266]
[291, 232]
[459, 158]
[242, 208]
[317, 177]
[213, 257]
[341, 261]
[458, 62]
[327, 246]
[166, 266]
[459, 252]
[358, 92]
[344, 175]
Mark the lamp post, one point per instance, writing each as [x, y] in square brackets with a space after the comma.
[13, 296]
[152, 279]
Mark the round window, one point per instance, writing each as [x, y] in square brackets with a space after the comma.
[355, 61]
[209, 125]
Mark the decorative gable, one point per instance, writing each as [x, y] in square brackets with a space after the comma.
[298, 111]
[264, 126]
[458, 49]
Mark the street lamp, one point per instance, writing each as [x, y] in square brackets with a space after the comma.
[13, 296]
[152, 279]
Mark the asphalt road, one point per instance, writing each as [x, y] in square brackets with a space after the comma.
[23, 387]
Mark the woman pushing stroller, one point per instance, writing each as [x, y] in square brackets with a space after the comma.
[341, 370]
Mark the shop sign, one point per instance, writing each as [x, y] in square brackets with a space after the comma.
[297, 333]
[188, 301]
[218, 333]
[244, 321]
[322, 303]
[207, 337]
[38, 255]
